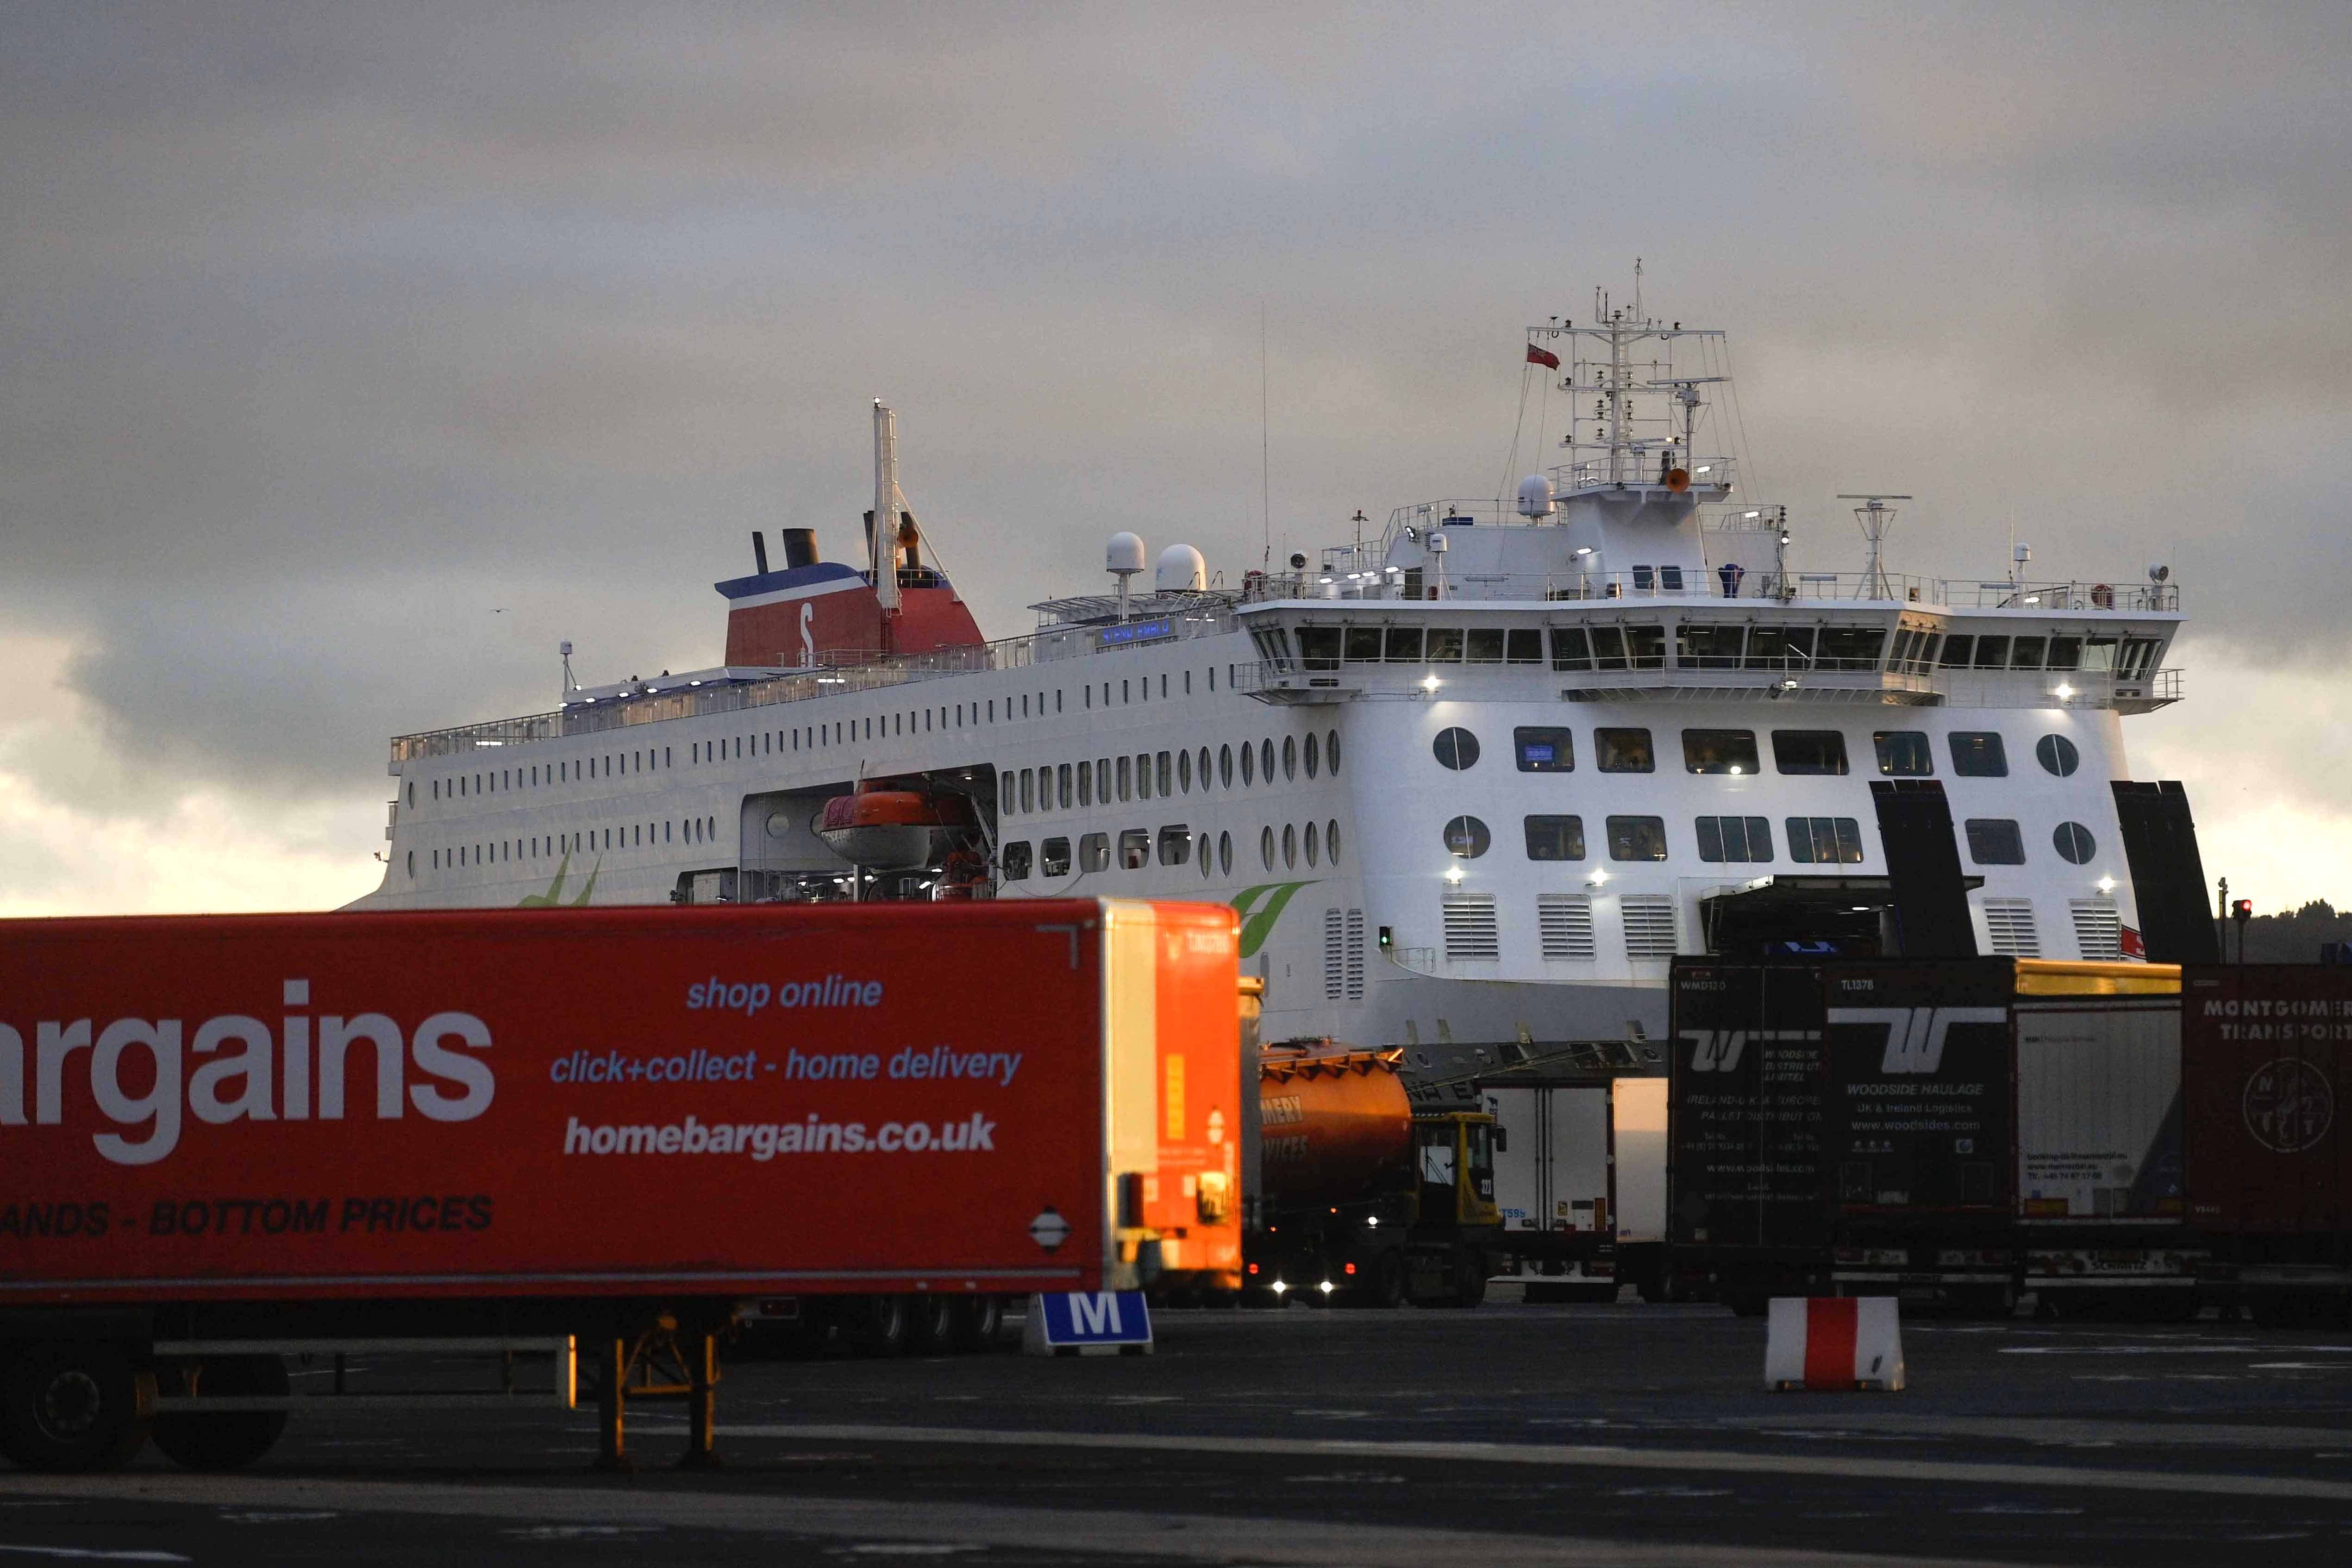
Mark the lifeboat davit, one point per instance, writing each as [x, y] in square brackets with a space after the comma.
[890, 828]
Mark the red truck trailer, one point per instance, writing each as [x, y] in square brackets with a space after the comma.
[224, 1139]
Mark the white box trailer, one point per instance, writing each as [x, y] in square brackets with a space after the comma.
[2101, 1172]
[1554, 1182]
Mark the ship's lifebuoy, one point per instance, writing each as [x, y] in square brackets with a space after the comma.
[2103, 596]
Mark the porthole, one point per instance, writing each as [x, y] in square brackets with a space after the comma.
[1467, 837]
[1314, 754]
[1331, 839]
[1332, 750]
[2074, 842]
[2057, 754]
[1208, 866]
[1249, 764]
[1265, 759]
[1289, 757]
[1184, 772]
[1457, 749]
[1289, 846]
[1226, 766]
[1312, 836]
[1205, 771]
[1225, 855]
[1266, 847]
[780, 826]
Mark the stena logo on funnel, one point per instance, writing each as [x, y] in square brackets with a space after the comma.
[151, 1078]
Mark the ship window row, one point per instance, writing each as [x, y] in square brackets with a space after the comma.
[633, 835]
[1731, 646]
[1163, 775]
[1899, 753]
[1133, 849]
[1550, 836]
[1742, 839]
[1471, 932]
[498, 780]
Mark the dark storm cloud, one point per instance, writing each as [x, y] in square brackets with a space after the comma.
[328, 331]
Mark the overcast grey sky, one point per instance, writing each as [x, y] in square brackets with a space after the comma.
[354, 355]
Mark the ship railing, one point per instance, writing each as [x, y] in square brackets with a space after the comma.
[1317, 681]
[1343, 577]
[1644, 468]
[837, 671]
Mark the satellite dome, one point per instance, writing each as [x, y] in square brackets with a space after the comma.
[1535, 497]
[1124, 555]
[1181, 569]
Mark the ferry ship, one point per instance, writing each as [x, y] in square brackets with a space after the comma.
[1471, 784]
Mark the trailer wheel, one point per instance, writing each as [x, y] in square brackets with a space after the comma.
[74, 1405]
[225, 1439]
[875, 1325]
[931, 1324]
[979, 1319]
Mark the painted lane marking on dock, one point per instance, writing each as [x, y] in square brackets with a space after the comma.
[1583, 1456]
[1187, 1537]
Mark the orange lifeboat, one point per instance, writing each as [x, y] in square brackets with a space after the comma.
[891, 829]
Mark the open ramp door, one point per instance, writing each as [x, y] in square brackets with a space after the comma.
[1923, 861]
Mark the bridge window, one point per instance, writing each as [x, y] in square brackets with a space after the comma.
[1809, 751]
[1554, 838]
[1319, 648]
[1995, 841]
[1404, 645]
[1722, 839]
[1484, 645]
[1623, 751]
[2026, 652]
[1849, 647]
[1709, 647]
[1721, 751]
[1363, 645]
[1780, 648]
[1992, 652]
[1570, 648]
[1444, 645]
[1525, 646]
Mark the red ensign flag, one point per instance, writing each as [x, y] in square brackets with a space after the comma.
[1543, 356]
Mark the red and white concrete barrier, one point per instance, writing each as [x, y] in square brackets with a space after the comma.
[1834, 1342]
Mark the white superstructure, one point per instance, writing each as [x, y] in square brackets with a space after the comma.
[1471, 784]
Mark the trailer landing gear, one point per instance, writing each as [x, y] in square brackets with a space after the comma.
[661, 1362]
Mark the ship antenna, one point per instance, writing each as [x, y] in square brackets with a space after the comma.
[1876, 518]
[1264, 450]
[570, 686]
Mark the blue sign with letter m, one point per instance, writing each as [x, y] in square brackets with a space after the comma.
[1077, 1322]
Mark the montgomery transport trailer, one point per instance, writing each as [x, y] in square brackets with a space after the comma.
[229, 1140]
[2268, 1050]
[1957, 1130]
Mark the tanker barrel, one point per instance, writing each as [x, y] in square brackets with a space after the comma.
[1335, 1123]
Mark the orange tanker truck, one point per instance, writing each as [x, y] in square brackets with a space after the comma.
[1351, 1198]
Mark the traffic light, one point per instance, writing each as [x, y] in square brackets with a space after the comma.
[2243, 909]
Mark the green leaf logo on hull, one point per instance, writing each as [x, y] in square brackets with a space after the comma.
[1260, 907]
[554, 897]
